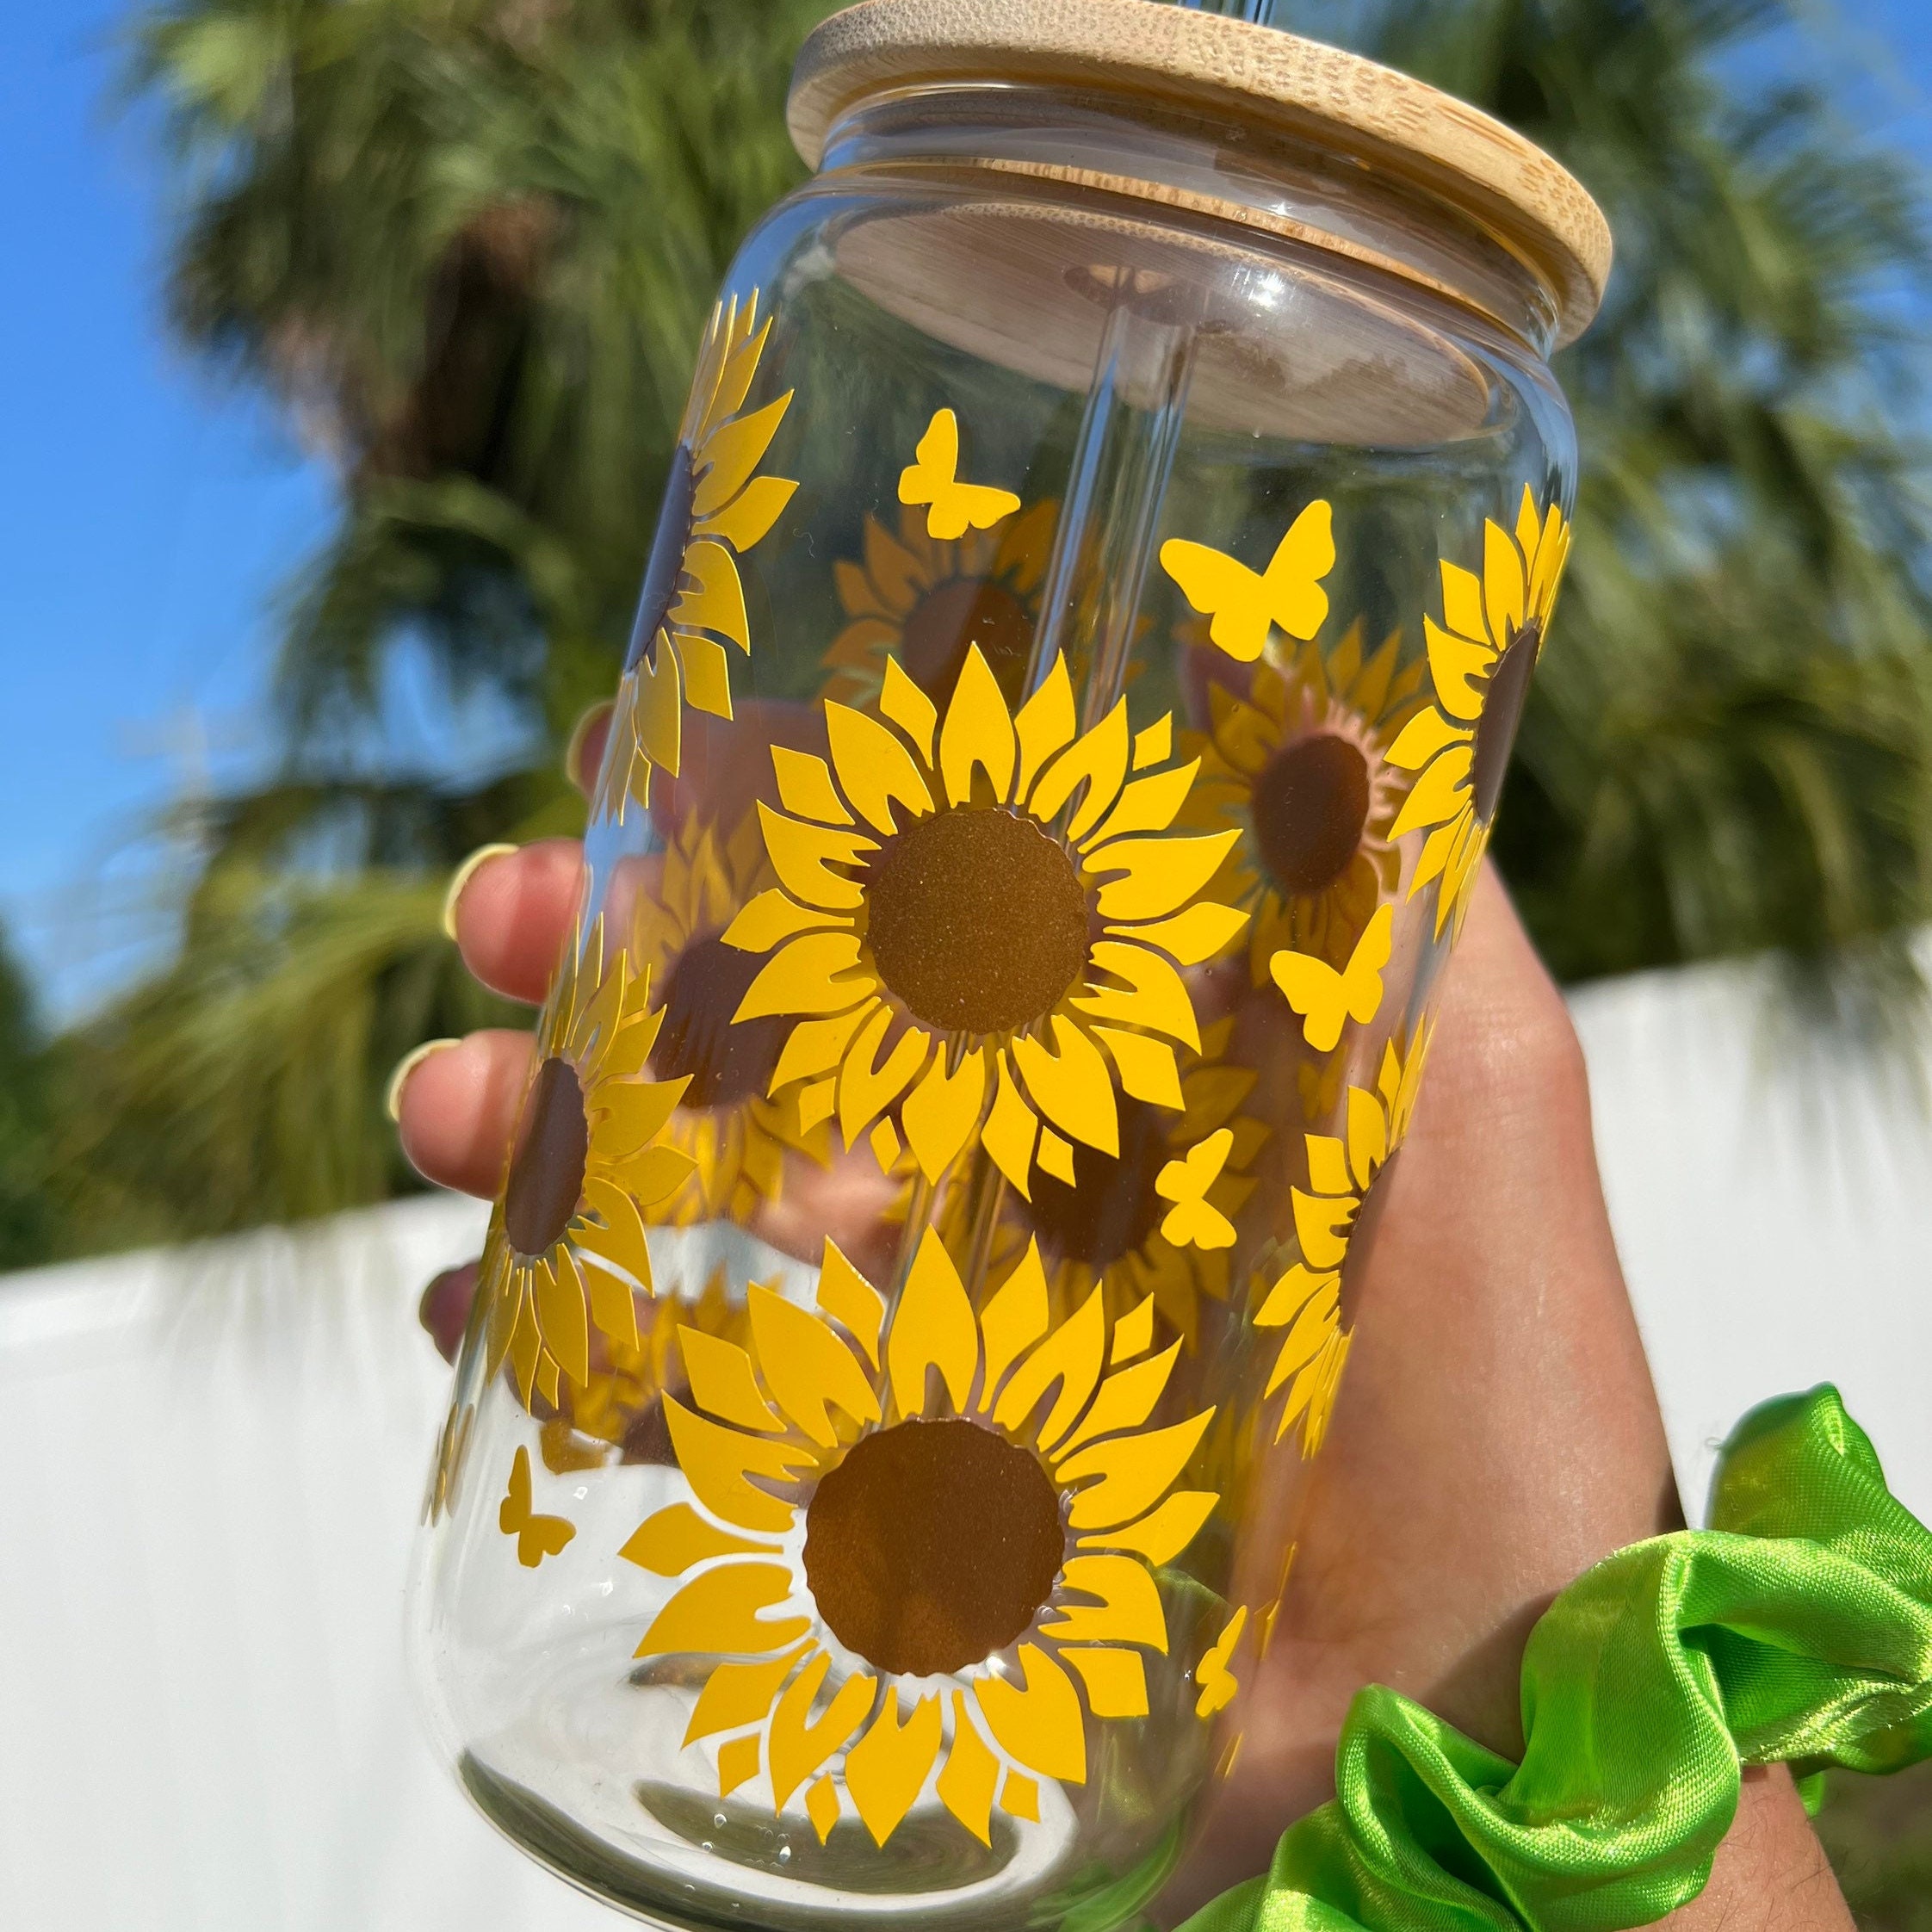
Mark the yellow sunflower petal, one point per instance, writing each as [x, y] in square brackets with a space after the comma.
[621, 1239]
[874, 768]
[1126, 1399]
[805, 786]
[561, 1318]
[801, 855]
[1128, 1607]
[723, 1383]
[1040, 1725]
[821, 1807]
[1133, 1334]
[847, 1295]
[909, 707]
[1148, 1070]
[1116, 1681]
[731, 452]
[1019, 1797]
[1011, 1129]
[798, 1747]
[626, 1115]
[1459, 669]
[1440, 793]
[804, 978]
[1072, 1357]
[1162, 1534]
[865, 1089]
[1149, 804]
[808, 1370]
[1322, 1225]
[715, 598]
[978, 732]
[717, 1611]
[934, 1328]
[1015, 1318]
[1071, 1085]
[1290, 1293]
[941, 1113]
[1462, 602]
[1097, 758]
[1368, 1135]
[970, 1776]
[1133, 1470]
[613, 1313]
[748, 517]
[706, 671]
[1160, 875]
[1154, 998]
[1056, 1156]
[670, 1542]
[888, 1767]
[1505, 585]
[1309, 1335]
[659, 707]
[736, 1694]
[716, 1461]
[1045, 725]
[771, 917]
[1194, 936]
[815, 1105]
[1436, 849]
[1425, 734]
[1156, 743]
[738, 1758]
[816, 1046]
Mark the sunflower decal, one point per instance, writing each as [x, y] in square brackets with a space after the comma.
[735, 1137]
[1480, 661]
[715, 508]
[924, 1549]
[925, 602]
[1106, 1225]
[975, 917]
[1307, 1300]
[566, 1240]
[1300, 760]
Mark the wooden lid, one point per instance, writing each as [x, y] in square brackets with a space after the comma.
[1259, 73]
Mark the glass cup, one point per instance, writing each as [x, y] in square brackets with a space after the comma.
[1120, 504]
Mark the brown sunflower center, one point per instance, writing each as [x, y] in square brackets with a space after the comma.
[932, 1544]
[1361, 1239]
[976, 919]
[546, 1171]
[665, 570]
[1495, 730]
[953, 616]
[1309, 805]
[1111, 1207]
[726, 1062]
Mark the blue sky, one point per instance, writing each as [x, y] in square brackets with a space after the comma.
[148, 513]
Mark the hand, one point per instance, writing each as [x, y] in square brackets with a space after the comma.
[1497, 1433]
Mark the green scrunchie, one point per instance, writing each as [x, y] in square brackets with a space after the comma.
[1797, 1629]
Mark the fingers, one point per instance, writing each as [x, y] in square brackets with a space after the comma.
[456, 1109]
[510, 908]
[445, 1309]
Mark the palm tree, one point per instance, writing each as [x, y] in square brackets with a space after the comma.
[468, 244]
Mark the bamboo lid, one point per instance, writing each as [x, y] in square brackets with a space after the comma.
[1228, 65]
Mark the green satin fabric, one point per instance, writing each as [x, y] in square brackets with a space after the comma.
[1797, 1628]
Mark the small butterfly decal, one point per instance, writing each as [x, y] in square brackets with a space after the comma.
[1243, 604]
[1325, 998]
[1194, 1221]
[1218, 1683]
[934, 479]
[537, 1537]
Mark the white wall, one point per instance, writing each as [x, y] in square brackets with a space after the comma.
[210, 1465]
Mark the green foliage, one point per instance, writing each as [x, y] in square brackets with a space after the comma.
[27, 1215]
[470, 243]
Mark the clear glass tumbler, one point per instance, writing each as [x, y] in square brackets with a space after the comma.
[1120, 505]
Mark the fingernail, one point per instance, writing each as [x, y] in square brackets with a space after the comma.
[580, 736]
[392, 1098]
[462, 876]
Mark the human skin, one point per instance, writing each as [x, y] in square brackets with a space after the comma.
[1498, 1434]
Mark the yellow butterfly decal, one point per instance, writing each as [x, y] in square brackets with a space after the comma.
[934, 479]
[1243, 604]
[1325, 998]
[1218, 1683]
[1194, 1221]
[537, 1537]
